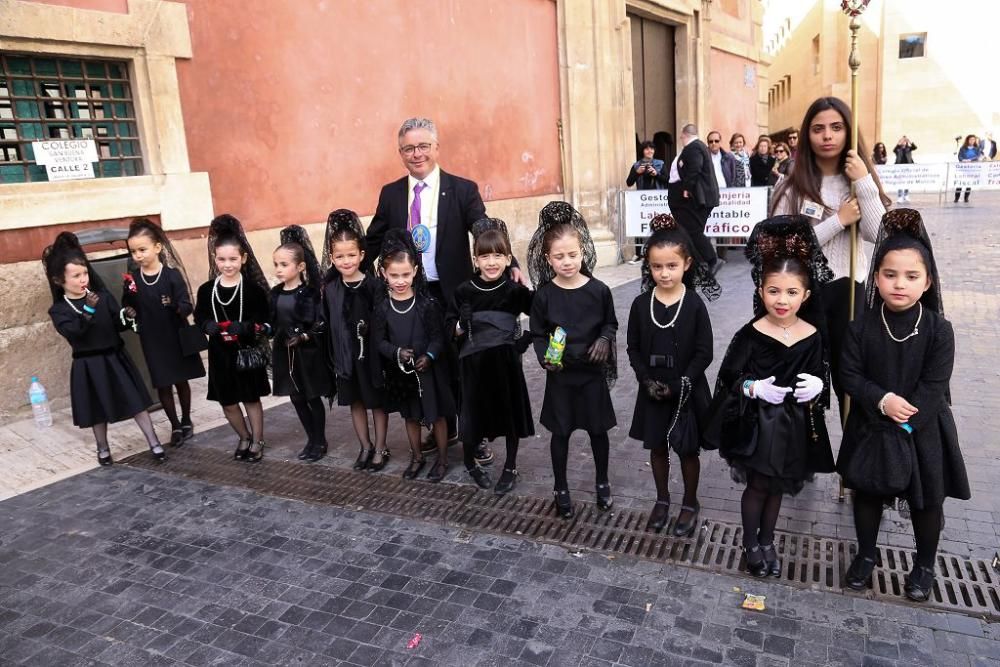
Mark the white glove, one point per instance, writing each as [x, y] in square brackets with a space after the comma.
[809, 387]
[766, 390]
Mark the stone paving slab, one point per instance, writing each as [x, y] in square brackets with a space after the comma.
[129, 567]
[967, 244]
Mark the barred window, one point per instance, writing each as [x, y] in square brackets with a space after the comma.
[44, 98]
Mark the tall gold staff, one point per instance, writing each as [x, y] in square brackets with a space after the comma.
[852, 8]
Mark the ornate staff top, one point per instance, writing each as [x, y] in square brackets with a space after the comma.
[853, 7]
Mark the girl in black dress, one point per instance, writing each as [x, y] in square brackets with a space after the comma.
[105, 385]
[298, 327]
[896, 366]
[561, 257]
[156, 294]
[767, 414]
[484, 317]
[349, 298]
[232, 309]
[408, 333]
[669, 347]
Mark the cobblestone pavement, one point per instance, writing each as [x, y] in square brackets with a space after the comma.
[967, 246]
[121, 566]
[128, 567]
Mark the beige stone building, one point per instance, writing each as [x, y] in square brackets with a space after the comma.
[925, 70]
[196, 111]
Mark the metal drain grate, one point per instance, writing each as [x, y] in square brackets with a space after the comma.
[963, 585]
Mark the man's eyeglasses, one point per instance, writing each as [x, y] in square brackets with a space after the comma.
[409, 150]
[715, 141]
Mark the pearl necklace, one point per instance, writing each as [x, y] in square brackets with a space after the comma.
[487, 289]
[408, 308]
[73, 305]
[155, 280]
[680, 302]
[916, 325]
[347, 284]
[215, 297]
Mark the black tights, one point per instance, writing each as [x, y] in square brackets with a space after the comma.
[145, 425]
[469, 452]
[255, 415]
[313, 418]
[559, 448]
[167, 401]
[760, 509]
[926, 527]
[659, 461]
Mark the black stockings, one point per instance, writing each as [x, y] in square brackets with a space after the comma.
[559, 448]
[760, 510]
[166, 395]
[313, 418]
[255, 414]
[101, 436]
[926, 527]
[659, 461]
[145, 425]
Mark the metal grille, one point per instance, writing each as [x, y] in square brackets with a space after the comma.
[61, 98]
[963, 585]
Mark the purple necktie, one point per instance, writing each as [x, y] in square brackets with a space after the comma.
[415, 206]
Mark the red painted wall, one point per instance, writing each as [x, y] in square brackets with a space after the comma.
[738, 110]
[293, 108]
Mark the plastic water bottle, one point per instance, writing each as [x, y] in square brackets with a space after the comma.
[39, 403]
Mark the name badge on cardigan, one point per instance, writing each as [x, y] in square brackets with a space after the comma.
[812, 210]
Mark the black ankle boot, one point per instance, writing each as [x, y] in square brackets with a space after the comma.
[859, 575]
[564, 506]
[604, 499]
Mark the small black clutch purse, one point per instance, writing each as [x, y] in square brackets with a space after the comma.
[192, 340]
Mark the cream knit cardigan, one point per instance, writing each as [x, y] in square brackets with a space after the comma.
[834, 238]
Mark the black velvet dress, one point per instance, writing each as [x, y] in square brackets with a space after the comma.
[105, 386]
[495, 402]
[578, 396]
[421, 396]
[918, 369]
[159, 324]
[300, 370]
[786, 442]
[667, 355]
[227, 384]
[352, 357]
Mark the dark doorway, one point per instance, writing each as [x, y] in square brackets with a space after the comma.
[653, 85]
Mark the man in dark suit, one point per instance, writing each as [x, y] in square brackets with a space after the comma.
[692, 193]
[439, 209]
[723, 162]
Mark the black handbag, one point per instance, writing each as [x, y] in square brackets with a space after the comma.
[254, 357]
[881, 461]
[192, 340]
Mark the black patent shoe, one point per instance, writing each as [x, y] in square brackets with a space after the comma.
[919, 583]
[687, 528]
[438, 471]
[157, 452]
[756, 565]
[104, 457]
[564, 506]
[365, 456]
[316, 453]
[658, 518]
[177, 437]
[187, 430]
[604, 499]
[241, 450]
[306, 450]
[772, 560]
[859, 575]
[480, 477]
[255, 452]
[416, 465]
[375, 467]
[508, 478]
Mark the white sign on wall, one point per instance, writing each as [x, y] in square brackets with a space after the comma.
[66, 159]
[739, 210]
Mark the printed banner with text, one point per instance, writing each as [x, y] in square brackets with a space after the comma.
[738, 211]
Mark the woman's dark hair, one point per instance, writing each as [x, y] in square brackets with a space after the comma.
[761, 139]
[804, 182]
[492, 241]
[737, 135]
[790, 265]
[647, 144]
[970, 136]
[879, 150]
[65, 250]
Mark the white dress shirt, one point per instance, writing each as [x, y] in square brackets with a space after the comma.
[429, 198]
[717, 163]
